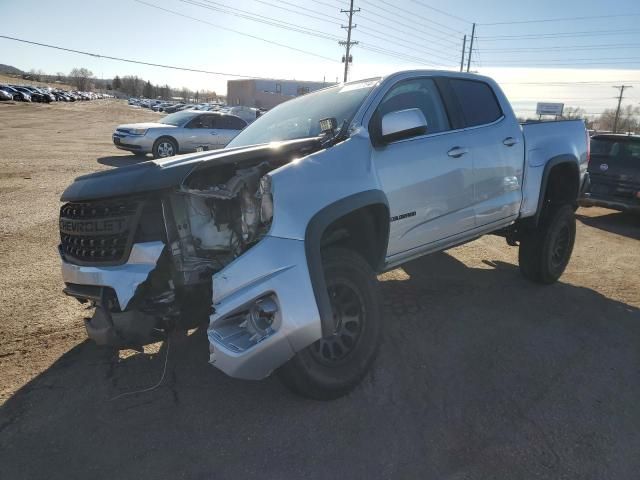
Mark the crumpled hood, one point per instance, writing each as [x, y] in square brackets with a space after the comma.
[129, 126]
[170, 172]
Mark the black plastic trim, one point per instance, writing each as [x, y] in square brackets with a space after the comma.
[313, 237]
[554, 162]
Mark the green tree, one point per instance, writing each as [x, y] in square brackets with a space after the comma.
[117, 83]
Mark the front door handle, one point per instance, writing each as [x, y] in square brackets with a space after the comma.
[510, 141]
[457, 152]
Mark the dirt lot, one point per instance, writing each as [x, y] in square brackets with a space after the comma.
[481, 374]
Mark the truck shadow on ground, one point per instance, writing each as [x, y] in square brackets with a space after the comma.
[620, 223]
[481, 375]
[122, 160]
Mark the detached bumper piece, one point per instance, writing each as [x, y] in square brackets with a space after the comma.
[121, 329]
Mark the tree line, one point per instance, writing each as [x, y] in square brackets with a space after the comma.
[84, 79]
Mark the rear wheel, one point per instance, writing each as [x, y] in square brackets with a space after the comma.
[545, 251]
[165, 147]
[332, 366]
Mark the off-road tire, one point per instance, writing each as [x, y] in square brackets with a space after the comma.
[159, 145]
[313, 372]
[545, 251]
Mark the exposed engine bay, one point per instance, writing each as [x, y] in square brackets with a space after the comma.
[206, 220]
[216, 217]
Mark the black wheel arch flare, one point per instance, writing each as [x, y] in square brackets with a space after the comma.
[313, 238]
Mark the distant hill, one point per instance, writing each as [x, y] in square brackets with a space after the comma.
[10, 70]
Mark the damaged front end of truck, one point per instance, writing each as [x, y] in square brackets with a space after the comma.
[156, 246]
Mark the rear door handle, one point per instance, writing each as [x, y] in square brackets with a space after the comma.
[509, 141]
[457, 152]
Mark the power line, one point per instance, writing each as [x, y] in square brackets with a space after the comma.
[582, 33]
[442, 41]
[128, 60]
[274, 22]
[413, 14]
[255, 37]
[440, 11]
[328, 18]
[288, 26]
[561, 19]
[291, 27]
[562, 60]
[567, 47]
[561, 83]
[369, 47]
[389, 35]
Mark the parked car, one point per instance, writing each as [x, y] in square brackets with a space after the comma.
[5, 95]
[179, 132]
[614, 173]
[18, 95]
[276, 240]
[35, 95]
[174, 108]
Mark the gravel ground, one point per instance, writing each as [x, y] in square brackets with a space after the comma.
[481, 374]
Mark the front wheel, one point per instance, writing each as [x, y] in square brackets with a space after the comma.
[545, 251]
[334, 365]
[164, 147]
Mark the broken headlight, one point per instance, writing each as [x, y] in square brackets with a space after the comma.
[266, 199]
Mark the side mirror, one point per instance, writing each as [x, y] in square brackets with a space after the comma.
[402, 124]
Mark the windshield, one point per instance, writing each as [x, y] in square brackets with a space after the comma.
[177, 119]
[300, 117]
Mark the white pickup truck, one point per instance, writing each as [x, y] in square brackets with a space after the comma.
[276, 240]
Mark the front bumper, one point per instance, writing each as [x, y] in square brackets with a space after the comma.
[123, 279]
[275, 267]
[132, 143]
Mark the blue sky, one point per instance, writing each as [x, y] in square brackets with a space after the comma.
[394, 34]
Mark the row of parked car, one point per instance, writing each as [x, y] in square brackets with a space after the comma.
[172, 107]
[248, 114]
[30, 93]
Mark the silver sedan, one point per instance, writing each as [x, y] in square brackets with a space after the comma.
[180, 132]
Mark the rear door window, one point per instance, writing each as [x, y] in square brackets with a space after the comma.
[477, 101]
[229, 122]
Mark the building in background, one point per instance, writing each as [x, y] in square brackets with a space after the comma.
[266, 93]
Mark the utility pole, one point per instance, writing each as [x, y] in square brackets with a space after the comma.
[464, 46]
[615, 122]
[347, 57]
[473, 35]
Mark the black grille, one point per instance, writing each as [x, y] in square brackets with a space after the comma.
[99, 232]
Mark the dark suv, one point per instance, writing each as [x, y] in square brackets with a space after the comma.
[614, 171]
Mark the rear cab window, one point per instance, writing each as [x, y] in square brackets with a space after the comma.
[477, 101]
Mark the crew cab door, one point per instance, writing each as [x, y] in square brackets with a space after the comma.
[498, 150]
[427, 178]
